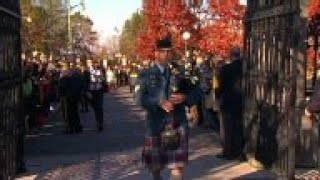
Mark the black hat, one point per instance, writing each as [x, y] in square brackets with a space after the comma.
[165, 43]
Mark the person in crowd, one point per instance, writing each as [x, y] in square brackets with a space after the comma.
[196, 110]
[230, 98]
[122, 76]
[110, 78]
[28, 95]
[63, 77]
[72, 89]
[157, 91]
[118, 75]
[86, 79]
[215, 100]
[95, 94]
[206, 74]
[133, 79]
[36, 97]
[46, 95]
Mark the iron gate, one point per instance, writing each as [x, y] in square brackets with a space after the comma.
[10, 83]
[274, 81]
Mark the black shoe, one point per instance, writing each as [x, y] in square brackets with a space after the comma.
[67, 131]
[240, 157]
[224, 156]
[220, 156]
[21, 170]
[100, 128]
[79, 130]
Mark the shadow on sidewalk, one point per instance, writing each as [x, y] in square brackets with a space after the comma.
[116, 152]
[124, 131]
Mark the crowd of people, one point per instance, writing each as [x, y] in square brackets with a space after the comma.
[66, 87]
[209, 95]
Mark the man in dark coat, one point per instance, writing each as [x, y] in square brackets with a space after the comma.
[86, 79]
[231, 106]
[72, 89]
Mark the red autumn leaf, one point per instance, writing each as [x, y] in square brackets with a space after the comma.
[226, 31]
[163, 17]
[314, 23]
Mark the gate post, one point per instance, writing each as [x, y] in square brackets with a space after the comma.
[274, 82]
[10, 87]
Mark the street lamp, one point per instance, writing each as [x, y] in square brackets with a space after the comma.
[186, 36]
[69, 9]
[28, 19]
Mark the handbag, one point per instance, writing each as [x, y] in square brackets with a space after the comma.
[170, 138]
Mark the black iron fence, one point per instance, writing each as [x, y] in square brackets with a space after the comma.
[274, 82]
[10, 88]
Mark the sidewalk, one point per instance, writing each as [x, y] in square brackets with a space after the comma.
[116, 152]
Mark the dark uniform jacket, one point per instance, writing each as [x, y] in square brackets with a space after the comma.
[229, 92]
[72, 85]
[153, 86]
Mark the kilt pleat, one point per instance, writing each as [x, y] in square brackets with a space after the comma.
[154, 156]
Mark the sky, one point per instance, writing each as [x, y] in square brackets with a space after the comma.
[108, 14]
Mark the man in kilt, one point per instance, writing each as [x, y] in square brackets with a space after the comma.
[164, 96]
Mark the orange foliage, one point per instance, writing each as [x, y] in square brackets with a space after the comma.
[218, 38]
[226, 31]
[314, 17]
[312, 55]
[146, 45]
[164, 17]
[314, 9]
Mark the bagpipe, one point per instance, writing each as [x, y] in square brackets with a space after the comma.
[181, 82]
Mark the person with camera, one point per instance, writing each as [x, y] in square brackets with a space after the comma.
[164, 95]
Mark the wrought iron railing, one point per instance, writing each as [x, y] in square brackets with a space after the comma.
[274, 82]
[10, 87]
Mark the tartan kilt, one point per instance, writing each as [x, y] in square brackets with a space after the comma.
[155, 157]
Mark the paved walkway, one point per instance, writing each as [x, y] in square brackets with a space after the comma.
[115, 153]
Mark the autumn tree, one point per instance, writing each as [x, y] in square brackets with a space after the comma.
[83, 35]
[45, 28]
[226, 31]
[129, 35]
[314, 27]
[162, 18]
[32, 33]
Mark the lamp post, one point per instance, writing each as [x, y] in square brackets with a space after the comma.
[28, 19]
[69, 9]
[186, 36]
